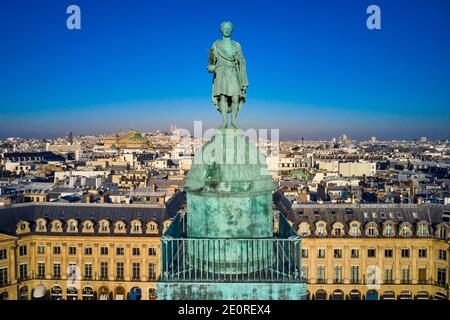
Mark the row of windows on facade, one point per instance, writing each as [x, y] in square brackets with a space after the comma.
[72, 250]
[88, 226]
[372, 253]
[371, 229]
[87, 293]
[373, 277]
[74, 273]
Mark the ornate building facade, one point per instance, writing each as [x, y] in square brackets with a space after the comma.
[92, 251]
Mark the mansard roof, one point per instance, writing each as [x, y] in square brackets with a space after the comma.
[433, 214]
[10, 216]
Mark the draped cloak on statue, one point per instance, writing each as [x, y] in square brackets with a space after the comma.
[230, 75]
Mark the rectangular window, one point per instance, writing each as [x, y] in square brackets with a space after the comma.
[3, 276]
[41, 269]
[305, 274]
[388, 253]
[151, 271]
[120, 251]
[23, 250]
[388, 275]
[422, 253]
[422, 275]
[136, 252]
[23, 271]
[405, 253]
[405, 275]
[321, 253]
[441, 277]
[88, 251]
[56, 250]
[88, 270]
[338, 253]
[152, 251]
[337, 274]
[442, 255]
[104, 251]
[3, 254]
[41, 249]
[321, 274]
[119, 270]
[305, 253]
[104, 270]
[355, 274]
[56, 270]
[136, 270]
[371, 253]
[355, 253]
[72, 250]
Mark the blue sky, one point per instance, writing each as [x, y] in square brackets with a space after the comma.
[315, 70]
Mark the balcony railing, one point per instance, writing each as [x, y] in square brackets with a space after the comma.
[230, 260]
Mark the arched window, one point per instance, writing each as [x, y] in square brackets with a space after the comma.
[152, 227]
[372, 230]
[56, 226]
[41, 225]
[389, 229]
[354, 229]
[304, 229]
[422, 229]
[405, 230]
[321, 229]
[442, 232]
[72, 226]
[338, 230]
[104, 226]
[88, 226]
[136, 226]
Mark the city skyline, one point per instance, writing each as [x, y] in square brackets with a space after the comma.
[145, 70]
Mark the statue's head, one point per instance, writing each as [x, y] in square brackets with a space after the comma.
[226, 28]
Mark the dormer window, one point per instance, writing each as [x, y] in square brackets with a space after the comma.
[338, 230]
[423, 230]
[72, 226]
[354, 229]
[120, 227]
[41, 226]
[388, 230]
[372, 231]
[152, 227]
[321, 229]
[442, 233]
[304, 229]
[103, 226]
[88, 226]
[136, 228]
[405, 231]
